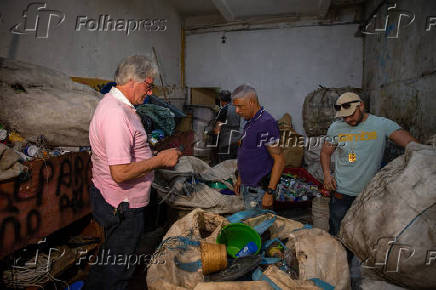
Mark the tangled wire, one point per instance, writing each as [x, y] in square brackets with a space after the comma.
[35, 272]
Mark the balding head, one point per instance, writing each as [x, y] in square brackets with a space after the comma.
[245, 91]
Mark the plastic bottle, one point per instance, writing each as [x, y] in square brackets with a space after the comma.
[249, 249]
[153, 140]
[3, 134]
[31, 150]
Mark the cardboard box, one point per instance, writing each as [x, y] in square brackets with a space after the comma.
[204, 96]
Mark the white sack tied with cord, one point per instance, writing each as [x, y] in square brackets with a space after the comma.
[391, 225]
[36, 101]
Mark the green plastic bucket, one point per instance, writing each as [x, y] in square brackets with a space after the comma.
[236, 236]
[217, 185]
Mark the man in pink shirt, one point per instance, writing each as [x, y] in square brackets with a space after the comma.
[122, 170]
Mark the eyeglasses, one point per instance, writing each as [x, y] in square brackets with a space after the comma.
[149, 85]
[345, 105]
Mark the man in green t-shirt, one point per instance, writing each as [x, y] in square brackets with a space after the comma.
[359, 139]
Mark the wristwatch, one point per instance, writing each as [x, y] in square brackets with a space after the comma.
[270, 191]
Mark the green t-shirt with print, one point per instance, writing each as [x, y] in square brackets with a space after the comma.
[360, 151]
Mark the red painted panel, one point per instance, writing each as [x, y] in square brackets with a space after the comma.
[55, 195]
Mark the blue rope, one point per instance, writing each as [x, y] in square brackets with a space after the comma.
[407, 226]
[242, 215]
[189, 266]
[269, 242]
[305, 227]
[269, 261]
[259, 276]
[263, 226]
[322, 284]
[183, 243]
[413, 220]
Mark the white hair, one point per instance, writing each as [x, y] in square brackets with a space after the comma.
[244, 91]
[135, 67]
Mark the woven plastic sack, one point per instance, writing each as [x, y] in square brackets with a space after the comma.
[318, 254]
[198, 225]
[36, 101]
[283, 281]
[312, 160]
[370, 281]
[319, 111]
[391, 224]
[320, 212]
[9, 165]
[171, 186]
[240, 285]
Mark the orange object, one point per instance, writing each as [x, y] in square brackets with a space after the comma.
[15, 137]
[325, 192]
[275, 252]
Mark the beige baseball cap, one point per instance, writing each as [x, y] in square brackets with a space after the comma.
[346, 104]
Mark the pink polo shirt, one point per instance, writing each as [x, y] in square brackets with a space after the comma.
[117, 136]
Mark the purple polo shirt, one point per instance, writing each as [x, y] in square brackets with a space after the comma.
[254, 160]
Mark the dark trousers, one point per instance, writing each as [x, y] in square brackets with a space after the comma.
[228, 152]
[338, 209]
[123, 229]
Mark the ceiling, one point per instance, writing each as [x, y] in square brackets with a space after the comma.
[194, 7]
[233, 10]
[242, 9]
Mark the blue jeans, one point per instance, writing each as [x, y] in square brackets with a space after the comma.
[252, 196]
[123, 230]
[338, 209]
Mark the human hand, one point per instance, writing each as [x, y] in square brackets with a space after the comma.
[237, 186]
[329, 182]
[217, 128]
[267, 201]
[169, 157]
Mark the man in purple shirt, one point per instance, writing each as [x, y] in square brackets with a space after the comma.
[260, 158]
